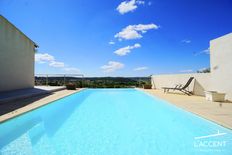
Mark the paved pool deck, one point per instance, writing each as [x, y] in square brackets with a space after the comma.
[220, 113]
[14, 108]
[28, 92]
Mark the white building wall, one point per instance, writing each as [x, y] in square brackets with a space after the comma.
[221, 64]
[16, 58]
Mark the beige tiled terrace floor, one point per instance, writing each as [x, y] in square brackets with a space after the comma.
[220, 113]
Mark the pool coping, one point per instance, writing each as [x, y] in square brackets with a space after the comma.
[188, 110]
[34, 106]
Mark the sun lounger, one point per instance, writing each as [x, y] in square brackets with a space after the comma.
[180, 87]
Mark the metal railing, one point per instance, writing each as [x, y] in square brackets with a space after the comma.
[40, 79]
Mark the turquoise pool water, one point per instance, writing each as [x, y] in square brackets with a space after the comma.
[112, 122]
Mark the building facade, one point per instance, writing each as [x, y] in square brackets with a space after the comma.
[221, 64]
[16, 58]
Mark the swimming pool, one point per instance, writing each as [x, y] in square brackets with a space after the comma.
[112, 122]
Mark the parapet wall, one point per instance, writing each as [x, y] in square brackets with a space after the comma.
[201, 81]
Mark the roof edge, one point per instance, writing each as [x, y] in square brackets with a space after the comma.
[35, 45]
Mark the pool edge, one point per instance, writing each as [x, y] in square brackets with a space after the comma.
[33, 106]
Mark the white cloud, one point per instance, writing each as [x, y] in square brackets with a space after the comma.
[125, 50]
[141, 68]
[135, 31]
[202, 69]
[111, 43]
[140, 2]
[149, 3]
[51, 61]
[43, 58]
[112, 66]
[129, 6]
[186, 41]
[206, 51]
[72, 70]
[186, 71]
[47, 58]
[56, 64]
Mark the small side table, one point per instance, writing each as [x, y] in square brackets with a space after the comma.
[214, 96]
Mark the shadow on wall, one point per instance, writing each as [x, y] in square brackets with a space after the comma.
[153, 84]
[198, 88]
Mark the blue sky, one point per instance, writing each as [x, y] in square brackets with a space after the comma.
[120, 38]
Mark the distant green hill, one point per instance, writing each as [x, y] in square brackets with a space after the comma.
[95, 82]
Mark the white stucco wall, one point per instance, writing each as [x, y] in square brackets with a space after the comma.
[16, 58]
[201, 82]
[221, 64]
